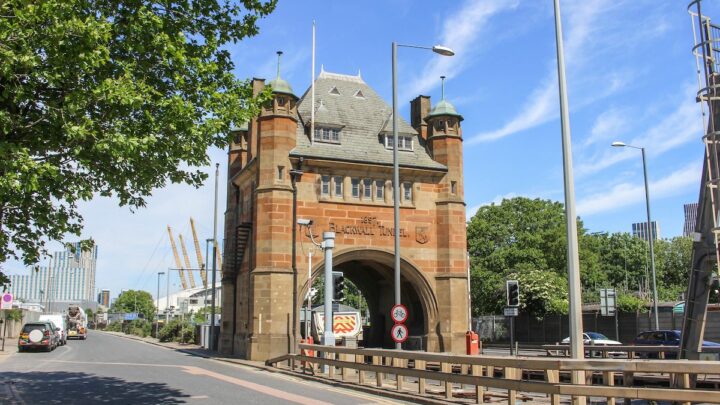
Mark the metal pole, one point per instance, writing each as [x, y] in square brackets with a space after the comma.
[328, 245]
[214, 266]
[651, 242]
[167, 297]
[576, 326]
[207, 258]
[512, 335]
[157, 323]
[308, 314]
[396, 180]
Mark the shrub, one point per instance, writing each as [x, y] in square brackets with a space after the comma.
[169, 331]
[114, 327]
[138, 327]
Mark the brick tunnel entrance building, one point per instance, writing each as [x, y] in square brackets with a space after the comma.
[340, 177]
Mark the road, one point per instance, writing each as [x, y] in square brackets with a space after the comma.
[111, 369]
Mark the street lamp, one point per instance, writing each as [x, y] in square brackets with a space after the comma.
[157, 321]
[650, 234]
[440, 50]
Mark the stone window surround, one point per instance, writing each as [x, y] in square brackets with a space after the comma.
[403, 139]
[346, 190]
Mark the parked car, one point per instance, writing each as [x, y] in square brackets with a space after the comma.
[38, 335]
[595, 339]
[598, 339]
[663, 338]
[59, 322]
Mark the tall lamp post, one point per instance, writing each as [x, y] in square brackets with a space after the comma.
[160, 273]
[577, 350]
[650, 234]
[213, 338]
[440, 50]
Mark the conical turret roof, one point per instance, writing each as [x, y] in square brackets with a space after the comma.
[444, 107]
[279, 85]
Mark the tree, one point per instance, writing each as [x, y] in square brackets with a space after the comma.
[111, 98]
[200, 315]
[524, 239]
[90, 314]
[135, 301]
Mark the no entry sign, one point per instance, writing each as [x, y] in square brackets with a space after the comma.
[399, 313]
[399, 332]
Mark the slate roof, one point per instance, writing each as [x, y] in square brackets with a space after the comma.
[363, 118]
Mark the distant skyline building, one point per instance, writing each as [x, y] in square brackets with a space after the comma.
[68, 277]
[691, 211]
[104, 298]
[639, 230]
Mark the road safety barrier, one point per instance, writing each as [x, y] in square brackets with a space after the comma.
[511, 377]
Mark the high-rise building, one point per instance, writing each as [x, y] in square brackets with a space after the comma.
[691, 211]
[639, 230]
[68, 277]
[104, 298]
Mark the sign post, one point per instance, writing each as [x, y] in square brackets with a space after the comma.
[512, 294]
[399, 332]
[607, 307]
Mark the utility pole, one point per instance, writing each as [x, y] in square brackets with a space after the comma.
[213, 346]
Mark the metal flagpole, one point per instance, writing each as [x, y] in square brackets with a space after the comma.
[312, 91]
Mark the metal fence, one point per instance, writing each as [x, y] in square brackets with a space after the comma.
[554, 328]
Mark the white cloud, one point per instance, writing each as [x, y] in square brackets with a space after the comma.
[608, 126]
[624, 194]
[542, 104]
[461, 32]
[472, 210]
[678, 127]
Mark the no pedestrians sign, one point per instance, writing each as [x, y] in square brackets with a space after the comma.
[399, 332]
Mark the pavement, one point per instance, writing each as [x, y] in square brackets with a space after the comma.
[113, 368]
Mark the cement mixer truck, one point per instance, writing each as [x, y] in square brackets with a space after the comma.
[76, 322]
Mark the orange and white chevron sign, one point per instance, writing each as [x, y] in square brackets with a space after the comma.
[344, 323]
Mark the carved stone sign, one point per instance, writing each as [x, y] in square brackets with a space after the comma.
[370, 226]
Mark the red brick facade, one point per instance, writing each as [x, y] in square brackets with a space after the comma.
[262, 292]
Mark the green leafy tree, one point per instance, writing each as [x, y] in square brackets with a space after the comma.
[90, 314]
[200, 315]
[137, 301]
[111, 98]
[519, 238]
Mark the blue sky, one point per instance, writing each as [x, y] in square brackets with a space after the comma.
[631, 77]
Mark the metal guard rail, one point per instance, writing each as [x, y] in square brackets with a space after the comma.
[480, 372]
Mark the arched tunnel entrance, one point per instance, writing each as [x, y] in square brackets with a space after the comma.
[372, 272]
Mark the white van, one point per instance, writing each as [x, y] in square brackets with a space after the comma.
[59, 321]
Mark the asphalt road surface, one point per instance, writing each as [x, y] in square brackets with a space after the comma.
[108, 369]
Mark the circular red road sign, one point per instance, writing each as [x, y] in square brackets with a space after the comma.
[399, 332]
[399, 313]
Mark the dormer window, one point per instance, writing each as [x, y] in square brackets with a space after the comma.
[334, 91]
[327, 135]
[405, 142]
[359, 94]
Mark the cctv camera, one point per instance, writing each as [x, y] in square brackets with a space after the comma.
[304, 222]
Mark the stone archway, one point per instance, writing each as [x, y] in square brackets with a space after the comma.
[372, 271]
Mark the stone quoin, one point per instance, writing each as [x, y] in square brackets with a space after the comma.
[340, 177]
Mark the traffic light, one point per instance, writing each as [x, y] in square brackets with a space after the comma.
[338, 285]
[513, 293]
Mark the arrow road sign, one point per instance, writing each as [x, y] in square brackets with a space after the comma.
[399, 332]
[399, 313]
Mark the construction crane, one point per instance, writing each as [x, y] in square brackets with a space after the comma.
[179, 265]
[201, 262]
[705, 238]
[188, 266]
[219, 256]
